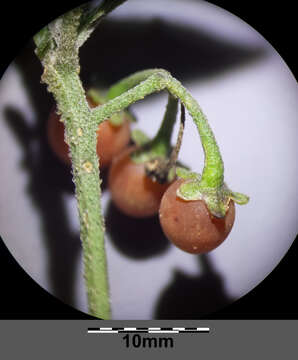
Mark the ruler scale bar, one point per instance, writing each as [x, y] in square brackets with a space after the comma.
[150, 330]
[133, 331]
[103, 331]
[163, 332]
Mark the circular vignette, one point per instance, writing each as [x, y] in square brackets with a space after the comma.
[248, 94]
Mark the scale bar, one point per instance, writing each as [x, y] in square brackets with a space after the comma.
[103, 331]
[163, 332]
[151, 330]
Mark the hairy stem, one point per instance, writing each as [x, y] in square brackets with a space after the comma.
[61, 69]
[82, 139]
[141, 84]
[213, 172]
[161, 144]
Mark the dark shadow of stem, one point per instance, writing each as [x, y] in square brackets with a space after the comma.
[135, 238]
[132, 45]
[49, 180]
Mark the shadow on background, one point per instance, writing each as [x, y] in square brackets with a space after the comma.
[193, 296]
[49, 180]
[135, 238]
[128, 46]
[133, 45]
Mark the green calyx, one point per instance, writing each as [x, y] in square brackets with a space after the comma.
[147, 151]
[139, 137]
[216, 199]
[156, 159]
[156, 153]
[156, 162]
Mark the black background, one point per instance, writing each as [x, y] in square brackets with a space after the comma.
[275, 297]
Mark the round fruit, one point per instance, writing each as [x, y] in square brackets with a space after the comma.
[132, 191]
[55, 132]
[189, 225]
[111, 139]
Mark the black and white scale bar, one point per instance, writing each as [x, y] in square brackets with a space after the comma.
[151, 330]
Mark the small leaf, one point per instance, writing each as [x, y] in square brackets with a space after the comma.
[239, 198]
[184, 173]
[217, 205]
[42, 41]
[139, 137]
[42, 36]
[96, 96]
[189, 191]
[117, 119]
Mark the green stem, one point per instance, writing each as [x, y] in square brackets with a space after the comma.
[213, 172]
[61, 69]
[141, 84]
[155, 153]
[160, 146]
[131, 81]
[161, 143]
[82, 139]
